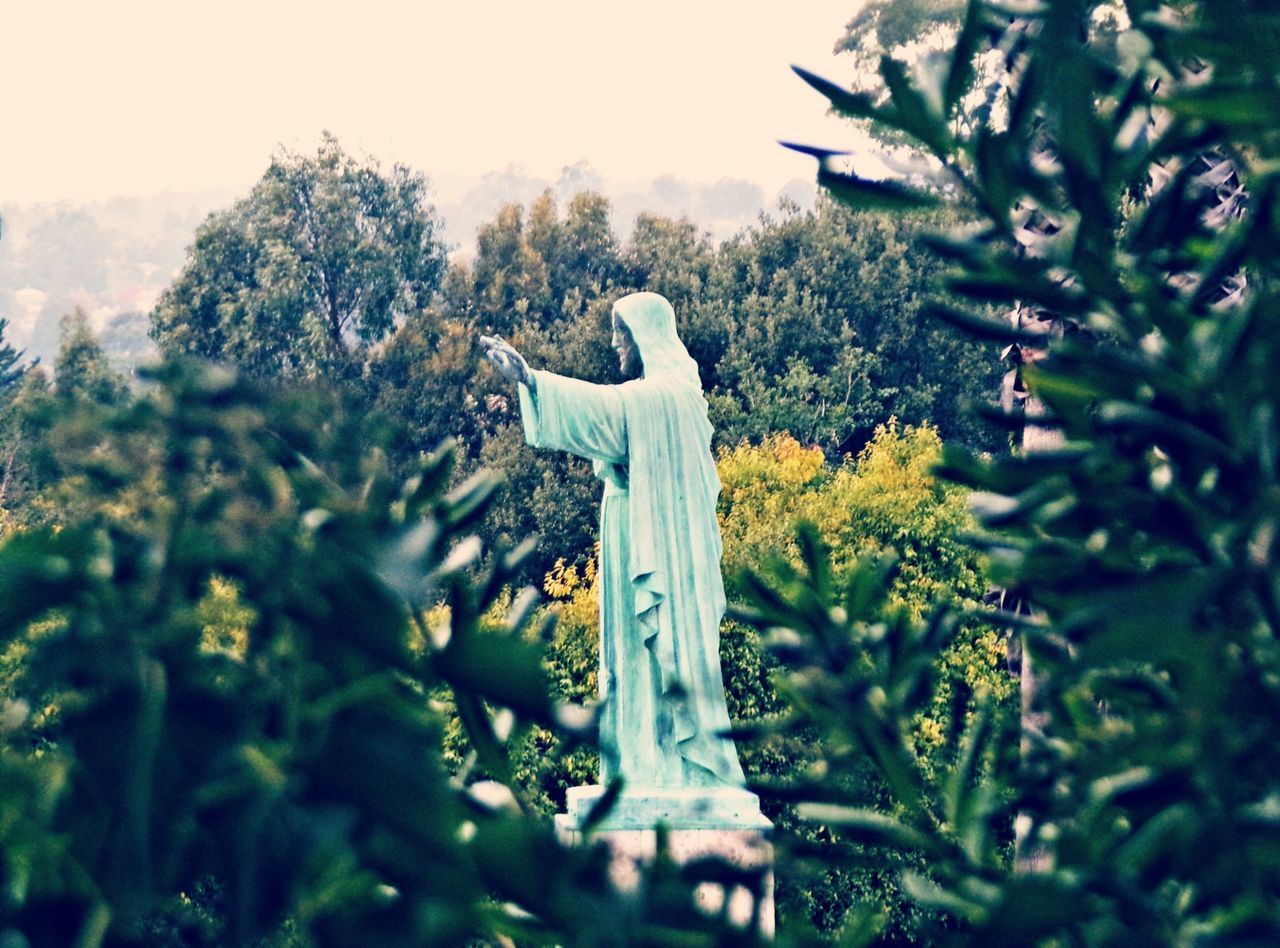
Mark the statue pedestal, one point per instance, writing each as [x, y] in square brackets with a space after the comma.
[722, 822]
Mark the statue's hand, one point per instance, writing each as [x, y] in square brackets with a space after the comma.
[506, 360]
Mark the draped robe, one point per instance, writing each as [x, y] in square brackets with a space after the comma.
[661, 591]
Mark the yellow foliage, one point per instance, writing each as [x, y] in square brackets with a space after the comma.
[564, 579]
[886, 499]
[435, 623]
[575, 648]
[225, 620]
[779, 459]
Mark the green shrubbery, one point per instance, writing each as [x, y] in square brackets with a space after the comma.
[1144, 781]
[216, 726]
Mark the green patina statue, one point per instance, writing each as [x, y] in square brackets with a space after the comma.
[661, 592]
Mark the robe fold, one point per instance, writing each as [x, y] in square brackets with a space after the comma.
[661, 592]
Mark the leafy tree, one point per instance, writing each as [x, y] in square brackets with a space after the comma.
[890, 27]
[318, 264]
[825, 334]
[85, 383]
[509, 282]
[12, 373]
[82, 371]
[11, 367]
[535, 273]
[588, 257]
[671, 257]
[426, 382]
[1143, 540]
[33, 463]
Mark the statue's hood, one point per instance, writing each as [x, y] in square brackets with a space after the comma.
[652, 322]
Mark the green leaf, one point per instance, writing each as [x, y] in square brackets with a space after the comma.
[1033, 907]
[866, 194]
[505, 670]
[38, 571]
[815, 556]
[911, 112]
[864, 928]
[925, 891]
[1166, 837]
[848, 104]
[868, 827]
[1161, 426]
[980, 326]
[1241, 105]
[467, 503]
[868, 588]
[960, 73]
[426, 486]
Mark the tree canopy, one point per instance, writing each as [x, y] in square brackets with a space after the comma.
[12, 368]
[81, 370]
[321, 261]
[12, 373]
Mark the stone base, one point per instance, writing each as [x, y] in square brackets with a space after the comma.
[722, 822]
[643, 808]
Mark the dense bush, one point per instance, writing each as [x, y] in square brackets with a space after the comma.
[1127, 187]
[217, 723]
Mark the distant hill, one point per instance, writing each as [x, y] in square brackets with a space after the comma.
[110, 258]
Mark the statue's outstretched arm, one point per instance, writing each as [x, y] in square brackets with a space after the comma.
[509, 363]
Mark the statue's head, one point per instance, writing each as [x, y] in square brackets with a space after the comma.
[625, 345]
[644, 336]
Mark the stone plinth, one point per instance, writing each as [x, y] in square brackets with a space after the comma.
[722, 822]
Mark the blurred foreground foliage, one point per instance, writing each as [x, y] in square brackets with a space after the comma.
[1127, 184]
[218, 714]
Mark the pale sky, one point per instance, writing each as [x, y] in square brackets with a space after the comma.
[132, 97]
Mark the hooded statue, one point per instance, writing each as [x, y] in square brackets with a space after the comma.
[661, 592]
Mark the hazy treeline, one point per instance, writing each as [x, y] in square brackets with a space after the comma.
[113, 257]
